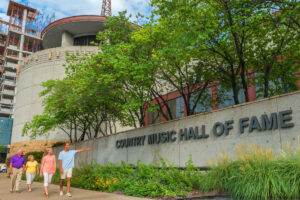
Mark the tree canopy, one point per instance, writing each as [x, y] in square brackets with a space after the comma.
[185, 47]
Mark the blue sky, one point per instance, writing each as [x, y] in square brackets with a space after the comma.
[66, 8]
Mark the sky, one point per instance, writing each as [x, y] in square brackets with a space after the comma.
[67, 8]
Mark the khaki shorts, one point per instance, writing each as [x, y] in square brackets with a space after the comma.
[67, 173]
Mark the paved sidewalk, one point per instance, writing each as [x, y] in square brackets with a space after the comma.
[38, 193]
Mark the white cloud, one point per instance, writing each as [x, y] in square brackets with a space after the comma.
[66, 8]
[4, 17]
[3, 5]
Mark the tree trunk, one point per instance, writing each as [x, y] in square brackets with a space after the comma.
[266, 82]
[235, 90]
[244, 83]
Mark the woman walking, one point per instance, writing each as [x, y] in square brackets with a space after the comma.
[32, 168]
[48, 168]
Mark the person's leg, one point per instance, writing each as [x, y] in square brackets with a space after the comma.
[32, 178]
[48, 183]
[68, 184]
[46, 176]
[13, 177]
[28, 180]
[49, 179]
[69, 176]
[61, 184]
[18, 179]
[31, 181]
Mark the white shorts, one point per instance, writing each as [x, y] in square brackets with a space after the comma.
[29, 178]
[47, 178]
[67, 173]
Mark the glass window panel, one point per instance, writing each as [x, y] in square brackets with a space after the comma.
[204, 105]
[241, 96]
[176, 107]
[154, 117]
[276, 87]
[172, 106]
[179, 107]
[227, 97]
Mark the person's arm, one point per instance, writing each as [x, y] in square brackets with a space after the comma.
[54, 164]
[60, 158]
[81, 150]
[42, 165]
[10, 168]
[24, 165]
[37, 169]
[60, 167]
[25, 168]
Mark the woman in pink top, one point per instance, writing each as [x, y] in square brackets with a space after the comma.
[48, 168]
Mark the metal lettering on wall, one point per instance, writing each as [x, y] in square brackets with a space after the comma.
[263, 123]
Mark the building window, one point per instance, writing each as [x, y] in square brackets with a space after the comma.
[179, 107]
[85, 40]
[276, 87]
[176, 107]
[154, 117]
[204, 105]
[226, 97]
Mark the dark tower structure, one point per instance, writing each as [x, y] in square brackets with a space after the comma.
[106, 8]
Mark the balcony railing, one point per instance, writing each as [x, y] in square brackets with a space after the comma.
[6, 110]
[11, 65]
[7, 101]
[11, 74]
[8, 92]
[10, 83]
[13, 47]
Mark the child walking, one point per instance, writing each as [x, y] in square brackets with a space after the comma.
[32, 168]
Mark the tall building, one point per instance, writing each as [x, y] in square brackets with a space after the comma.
[20, 37]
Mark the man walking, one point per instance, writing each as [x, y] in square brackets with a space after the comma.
[66, 164]
[16, 168]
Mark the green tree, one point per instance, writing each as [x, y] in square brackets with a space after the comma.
[2, 148]
[231, 33]
[275, 47]
[79, 118]
[176, 69]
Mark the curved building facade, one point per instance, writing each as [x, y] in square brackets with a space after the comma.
[72, 35]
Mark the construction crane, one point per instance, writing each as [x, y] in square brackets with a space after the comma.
[106, 8]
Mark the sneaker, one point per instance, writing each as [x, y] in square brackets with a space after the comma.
[61, 193]
[69, 194]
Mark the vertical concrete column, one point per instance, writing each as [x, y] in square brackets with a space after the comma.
[22, 35]
[67, 39]
[0, 25]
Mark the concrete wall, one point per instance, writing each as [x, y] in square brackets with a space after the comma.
[67, 39]
[104, 149]
[36, 69]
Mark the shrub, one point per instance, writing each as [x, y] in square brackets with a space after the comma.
[142, 180]
[38, 155]
[57, 144]
[7, 161]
